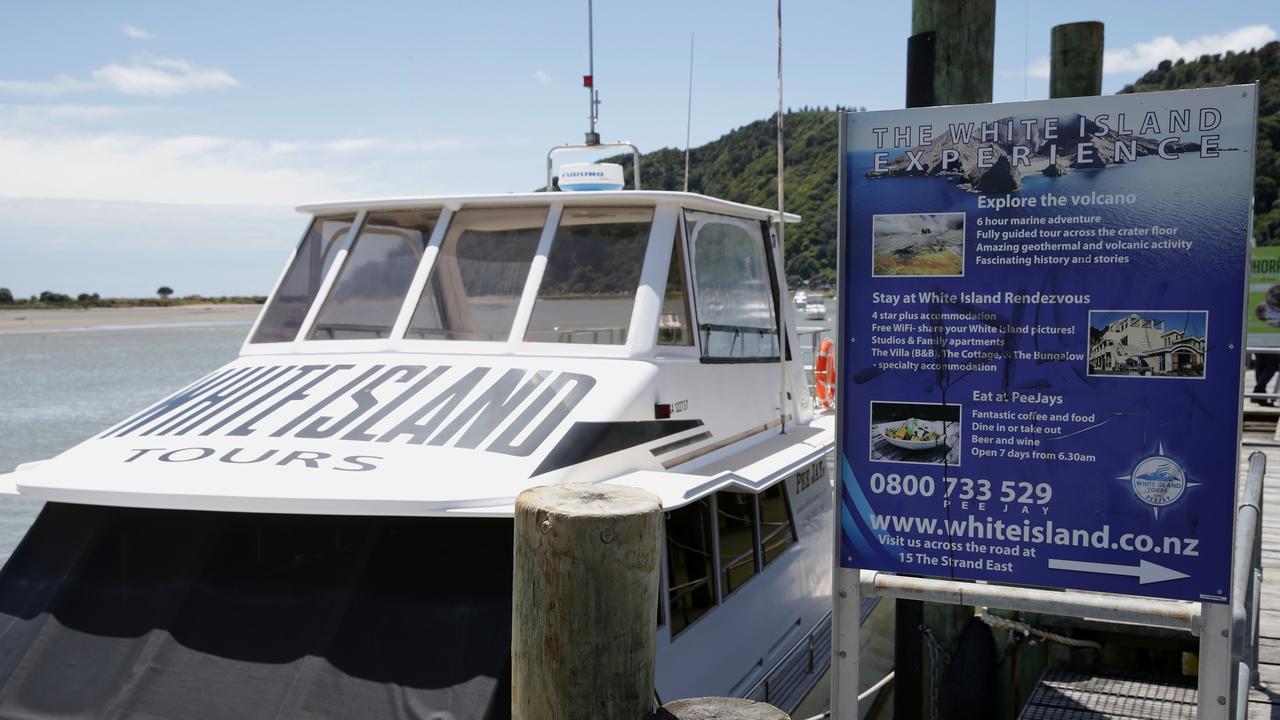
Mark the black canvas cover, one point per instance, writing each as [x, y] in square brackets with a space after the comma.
[130, 613]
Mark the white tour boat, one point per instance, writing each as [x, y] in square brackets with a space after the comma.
[322, 527]
[815, 309]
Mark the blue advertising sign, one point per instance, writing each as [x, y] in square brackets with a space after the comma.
[1041, 333]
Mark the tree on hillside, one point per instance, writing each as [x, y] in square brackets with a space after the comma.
[1261, 65]
[164, 292]
[6, 296]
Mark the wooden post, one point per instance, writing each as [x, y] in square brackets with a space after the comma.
[950, 57]
[717, 708]
[585, 602]
[964, 47]
[1075, 66]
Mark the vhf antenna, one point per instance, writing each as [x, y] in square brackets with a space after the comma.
[588, 80]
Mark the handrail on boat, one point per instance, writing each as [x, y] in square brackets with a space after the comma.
[635, 158]
[807, 643]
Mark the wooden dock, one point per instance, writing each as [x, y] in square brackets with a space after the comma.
[1065, 695]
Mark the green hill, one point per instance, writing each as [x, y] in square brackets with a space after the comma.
[1263, 65]
[742, 165]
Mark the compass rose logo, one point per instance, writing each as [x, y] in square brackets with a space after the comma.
[1158, 480]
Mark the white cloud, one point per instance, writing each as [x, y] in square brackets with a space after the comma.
[145, 75]
[193, 169]
[60, 85]
[43, 159]
[131, 31]
[1146, 56]
[351, 144]
[83, 112]
[541, 76]
[154, 76]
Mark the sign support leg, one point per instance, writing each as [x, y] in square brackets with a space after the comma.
[1215, 662]
[847, 641]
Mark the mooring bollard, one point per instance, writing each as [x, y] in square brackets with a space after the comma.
[585, 602]
[718, 708]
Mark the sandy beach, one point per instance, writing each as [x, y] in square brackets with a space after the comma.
[29, 321]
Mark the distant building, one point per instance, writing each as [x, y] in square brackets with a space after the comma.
[1137, 344]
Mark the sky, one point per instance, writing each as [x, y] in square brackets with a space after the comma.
[152, 143]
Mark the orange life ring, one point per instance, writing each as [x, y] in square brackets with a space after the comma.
[824, 374]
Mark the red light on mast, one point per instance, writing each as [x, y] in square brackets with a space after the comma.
[586, 81]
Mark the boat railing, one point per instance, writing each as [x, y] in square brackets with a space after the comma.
[811, 655]
[635, 158]
[616, 335]
[680, 592]
[812, 337]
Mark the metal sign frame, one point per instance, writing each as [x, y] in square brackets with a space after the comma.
[1223, 629]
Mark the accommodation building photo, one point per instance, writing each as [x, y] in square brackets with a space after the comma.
[1147, 345]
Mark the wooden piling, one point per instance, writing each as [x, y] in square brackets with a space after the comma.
[1075, 65]
[963, 47]
[585, 602]
[718, 708]
[950, 57]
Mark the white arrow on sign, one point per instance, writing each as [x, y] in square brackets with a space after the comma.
[1146, 572]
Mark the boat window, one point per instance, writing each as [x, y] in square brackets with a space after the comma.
[689, 579]
[776, 531]
[373, 281]
[592, 274]
[478, 275]
[732, 288]
[282, 318]
[736, 523]
[674, 327]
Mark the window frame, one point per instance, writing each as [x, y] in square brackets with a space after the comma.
[709, 516]
[320, 303]
[693, 351]
[791, 521]
[757, 554]
[322, 293]
[691, 273]
[412, 300]
[720, 597]
[632, 316]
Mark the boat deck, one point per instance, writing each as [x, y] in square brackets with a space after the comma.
[1066, 695]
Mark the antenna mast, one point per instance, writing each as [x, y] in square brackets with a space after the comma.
[781, 251]
[688, 118]
[589, 80]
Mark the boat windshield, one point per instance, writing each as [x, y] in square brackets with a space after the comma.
[592, 274]
[473, 273]
[375, 277]
[283, 317]
[479, 274]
